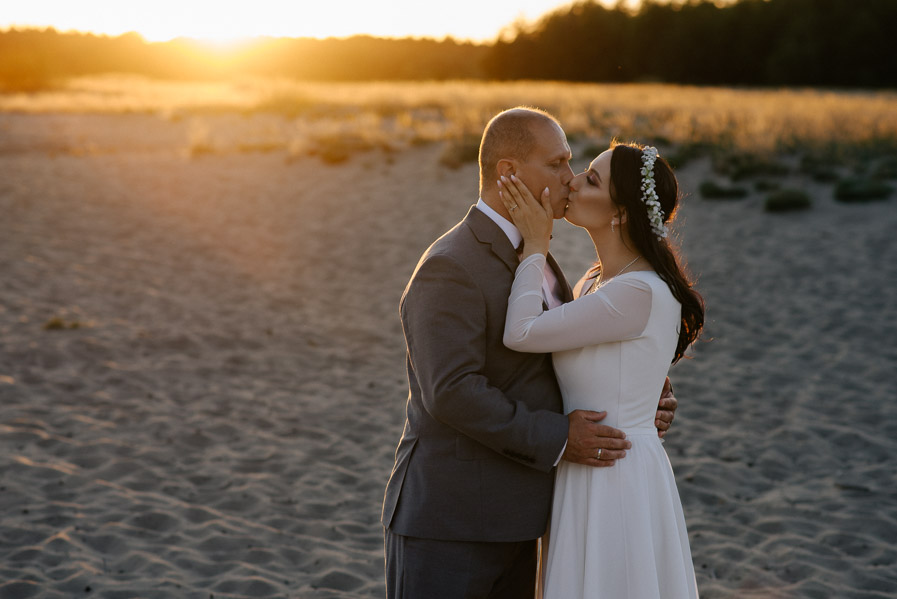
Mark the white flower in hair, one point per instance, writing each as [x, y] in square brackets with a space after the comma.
[649, 195]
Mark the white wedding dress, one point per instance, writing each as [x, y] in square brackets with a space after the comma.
[616, 532]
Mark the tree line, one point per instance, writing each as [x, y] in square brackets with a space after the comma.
[35, 59]
[834, 43]
[843, 43]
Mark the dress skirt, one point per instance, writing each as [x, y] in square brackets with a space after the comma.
[619, 532]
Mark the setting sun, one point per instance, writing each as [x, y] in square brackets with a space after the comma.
[163, 20]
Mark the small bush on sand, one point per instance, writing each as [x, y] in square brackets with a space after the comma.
[744, 165]
[458, 152]
[886, 169]
[787, 200]
[55, 324]
[687, 152]
[336, 149]
[859, 189]
[712, 190]
[332, 151]
[58, 324]
[820, 168]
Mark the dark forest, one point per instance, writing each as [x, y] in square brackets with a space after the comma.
[826, 43]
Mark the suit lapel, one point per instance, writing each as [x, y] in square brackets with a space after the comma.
[566, 291]
[488, 232]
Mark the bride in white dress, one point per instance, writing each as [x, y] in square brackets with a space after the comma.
[616, 532]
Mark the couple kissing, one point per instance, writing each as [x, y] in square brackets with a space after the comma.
[537, 410]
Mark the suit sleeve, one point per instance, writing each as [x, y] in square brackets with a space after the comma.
[444, 321]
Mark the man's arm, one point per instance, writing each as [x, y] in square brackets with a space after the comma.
[444, 320]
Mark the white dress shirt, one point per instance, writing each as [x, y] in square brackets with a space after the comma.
[550, 285]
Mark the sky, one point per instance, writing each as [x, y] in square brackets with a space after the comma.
[225, 20]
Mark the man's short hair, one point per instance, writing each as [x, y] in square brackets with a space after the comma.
[509, 135]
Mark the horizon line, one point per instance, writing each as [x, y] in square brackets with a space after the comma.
[246, 39]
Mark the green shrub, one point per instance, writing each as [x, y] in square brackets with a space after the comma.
[820, 168]
[458, 152]
[58, 324]
[886, 169]
[859, 189]
[55, 324]
[741, 165]
[336, 149]
[712, 190]
[786, 200]
[685, 153]
[825, 176]
[333, 153]
[764, 185]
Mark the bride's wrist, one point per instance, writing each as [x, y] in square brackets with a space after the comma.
[539, 247]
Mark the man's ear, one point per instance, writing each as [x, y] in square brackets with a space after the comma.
[506, 167]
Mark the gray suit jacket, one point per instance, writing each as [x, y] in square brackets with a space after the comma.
[484, 424]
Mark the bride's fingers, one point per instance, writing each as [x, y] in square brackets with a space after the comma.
[510, 206]
[513, 191]
[546, 202]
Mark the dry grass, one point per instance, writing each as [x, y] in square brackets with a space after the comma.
[396, 115]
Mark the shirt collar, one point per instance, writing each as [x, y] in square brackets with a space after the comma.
[507, 226]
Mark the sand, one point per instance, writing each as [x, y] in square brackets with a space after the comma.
[216, 411]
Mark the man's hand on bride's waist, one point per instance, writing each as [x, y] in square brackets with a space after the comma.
[593, 444]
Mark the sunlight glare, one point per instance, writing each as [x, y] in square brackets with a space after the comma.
[163, 20]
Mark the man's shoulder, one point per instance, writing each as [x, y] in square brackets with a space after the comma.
[445, 268]
[457, 242]
[457, 256]
[465, 250]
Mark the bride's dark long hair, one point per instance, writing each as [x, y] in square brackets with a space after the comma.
[626, 192]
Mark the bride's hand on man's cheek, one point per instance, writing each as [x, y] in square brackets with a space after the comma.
[534, 218]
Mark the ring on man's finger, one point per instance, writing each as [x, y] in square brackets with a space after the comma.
[599, 453]
[514, 207]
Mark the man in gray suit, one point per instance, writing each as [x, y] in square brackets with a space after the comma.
[470, 491]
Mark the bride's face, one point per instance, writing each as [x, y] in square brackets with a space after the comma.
[589, 204]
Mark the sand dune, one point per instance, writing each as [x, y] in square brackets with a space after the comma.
[216, 412]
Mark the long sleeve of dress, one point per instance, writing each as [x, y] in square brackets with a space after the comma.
[617, 311]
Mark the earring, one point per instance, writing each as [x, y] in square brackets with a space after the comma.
[612, 225]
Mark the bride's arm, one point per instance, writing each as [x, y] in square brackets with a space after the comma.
[618, 311]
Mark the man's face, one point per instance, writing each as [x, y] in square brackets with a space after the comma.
[548, 165]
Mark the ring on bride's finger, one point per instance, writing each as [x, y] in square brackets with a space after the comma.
[513, 208]
[599, 453]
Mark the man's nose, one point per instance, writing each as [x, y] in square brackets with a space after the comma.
[568, 176]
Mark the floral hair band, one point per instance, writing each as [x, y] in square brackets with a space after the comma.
[649, 195]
